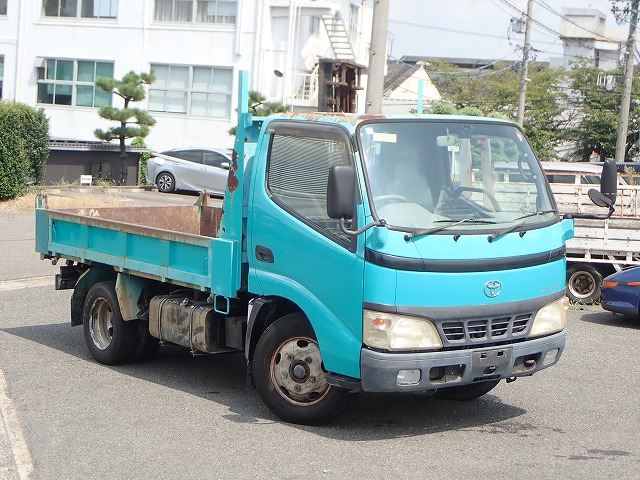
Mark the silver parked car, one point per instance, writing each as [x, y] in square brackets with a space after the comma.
[195, 169]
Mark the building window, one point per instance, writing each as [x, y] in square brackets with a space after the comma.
[81, 8]
[198, 91]
[353, 21]
[314, 25]
[198, 11]
[72, 82]
[3, 7]
[1, 73]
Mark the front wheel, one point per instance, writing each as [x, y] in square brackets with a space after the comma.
[466, 392]
[289, 374]
[583, 283]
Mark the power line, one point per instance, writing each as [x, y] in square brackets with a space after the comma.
[546, 6]
[460, 73]
[539, 31]
[450, 30]
[540, 24]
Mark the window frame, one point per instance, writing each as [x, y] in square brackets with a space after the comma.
[321, 132]
[189, 91]
[354, 21]
[79, 8]
[74, 83]
[194, 13]
[314, 25]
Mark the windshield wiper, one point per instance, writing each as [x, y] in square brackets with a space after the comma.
[528, 218]
[451, 223]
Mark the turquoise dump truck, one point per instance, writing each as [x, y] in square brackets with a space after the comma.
[352, 253]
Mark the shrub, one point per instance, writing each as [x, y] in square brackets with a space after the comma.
[144, 158]
[24, 139]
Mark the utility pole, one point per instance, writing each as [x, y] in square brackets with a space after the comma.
[377, 56]
[524, 72]
[625, 103]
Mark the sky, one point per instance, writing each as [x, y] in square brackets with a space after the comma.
[479, 28]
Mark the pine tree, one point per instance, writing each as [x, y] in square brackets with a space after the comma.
[133, 122]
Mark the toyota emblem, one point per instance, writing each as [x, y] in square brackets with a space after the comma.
[492, 288]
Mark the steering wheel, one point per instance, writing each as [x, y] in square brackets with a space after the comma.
[494, 202]
[392, 197]
[526, 176]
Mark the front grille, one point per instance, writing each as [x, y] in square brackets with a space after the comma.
[484, 330]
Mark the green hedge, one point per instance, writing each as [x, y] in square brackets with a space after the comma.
[24, 147]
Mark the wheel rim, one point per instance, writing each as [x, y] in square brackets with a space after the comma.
[165, 183]
[296, 371]
[101, 323]
[582, 285]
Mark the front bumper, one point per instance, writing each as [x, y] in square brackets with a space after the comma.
[627, 309]
[379, 371]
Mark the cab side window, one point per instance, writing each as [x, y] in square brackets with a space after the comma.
[297, 177]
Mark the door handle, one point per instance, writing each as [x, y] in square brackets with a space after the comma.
[264, 254]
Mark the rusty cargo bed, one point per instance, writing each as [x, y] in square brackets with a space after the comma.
[173, 244]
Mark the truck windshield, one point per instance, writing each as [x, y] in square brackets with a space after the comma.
[472, 175]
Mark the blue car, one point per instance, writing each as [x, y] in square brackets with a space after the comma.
[621, 292]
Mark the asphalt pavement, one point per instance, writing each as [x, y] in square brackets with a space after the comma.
[22, 268]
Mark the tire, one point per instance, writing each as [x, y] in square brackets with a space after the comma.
[289, 374]
[166, 182]
[465, 393]
[583, 283]
[109, 338]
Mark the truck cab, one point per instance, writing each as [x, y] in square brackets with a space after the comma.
[416, 266]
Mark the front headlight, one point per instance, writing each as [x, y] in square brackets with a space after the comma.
[393, 332]
[551, 318]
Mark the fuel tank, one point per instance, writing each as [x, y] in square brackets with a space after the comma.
[194, 324]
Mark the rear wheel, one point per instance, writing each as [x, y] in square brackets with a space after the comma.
[166, 182]
[466, 392]
[289, 374]
[109, 338]
[583, 283]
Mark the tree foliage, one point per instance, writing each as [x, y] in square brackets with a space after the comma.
[578, 107]
[259, 107]
[131, 122]
[494, 92]
[24, 147]
[596, 106]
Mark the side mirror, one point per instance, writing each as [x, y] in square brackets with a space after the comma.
[341, 192]
[609, 180]
[600, 199]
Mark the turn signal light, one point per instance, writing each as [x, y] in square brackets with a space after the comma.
[610, 284]
[381, 323]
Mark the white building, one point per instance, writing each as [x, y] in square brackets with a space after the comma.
[51, 52]
[584, 35]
